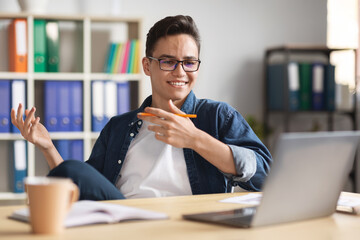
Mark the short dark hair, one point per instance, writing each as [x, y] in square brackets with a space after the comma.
[168, 26]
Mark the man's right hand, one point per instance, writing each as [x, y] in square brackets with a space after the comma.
[31, 128]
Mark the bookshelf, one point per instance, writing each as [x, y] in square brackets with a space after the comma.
[83, 46]
[302, 53]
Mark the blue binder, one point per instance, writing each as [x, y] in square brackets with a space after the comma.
[63, 104]
[18, 95]
[50, 106]
[63, 147]
[317, 86]
[77, 150]
[123, 97]
[5, 106]
[76, 115]
[20, 165]
[329, 87]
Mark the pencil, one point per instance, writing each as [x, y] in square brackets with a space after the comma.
[178, 114]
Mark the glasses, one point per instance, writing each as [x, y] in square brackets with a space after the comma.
[168, 64]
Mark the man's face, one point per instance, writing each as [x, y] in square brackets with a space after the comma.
[177, 84]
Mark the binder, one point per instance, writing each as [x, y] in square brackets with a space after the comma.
[275, 89]
[63, 147]
[18, 95]
[63, 105]
[52, 41]
[40, 45]
[76, 106]
[97, 105]
[294, 86]
[5, 106]
[17, 45]
[123, 97]
[317, 86]
[20, 165]
[110, 100]
[77, 150]
[329, 87]
[50, 106]
[305, 86]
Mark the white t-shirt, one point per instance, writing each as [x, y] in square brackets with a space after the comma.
[153, 168]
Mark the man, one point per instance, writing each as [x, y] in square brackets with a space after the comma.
[163, 154]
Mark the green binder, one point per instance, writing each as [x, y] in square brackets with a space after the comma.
[39, 45]
[305, 86]
[52, 40]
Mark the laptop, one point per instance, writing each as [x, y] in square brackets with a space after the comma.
[306, 178]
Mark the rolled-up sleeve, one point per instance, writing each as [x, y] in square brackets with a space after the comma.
[245, 164]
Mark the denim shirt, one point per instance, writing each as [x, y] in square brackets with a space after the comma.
[218, 119]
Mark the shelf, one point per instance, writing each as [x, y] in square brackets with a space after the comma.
[83, 47]
[288, 53]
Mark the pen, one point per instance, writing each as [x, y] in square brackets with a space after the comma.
[178, 114]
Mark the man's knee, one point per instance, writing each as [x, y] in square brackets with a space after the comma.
[68, 169]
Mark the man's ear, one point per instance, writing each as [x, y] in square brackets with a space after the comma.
[146, 65]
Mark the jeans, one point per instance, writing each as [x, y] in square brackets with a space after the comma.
[92, 184]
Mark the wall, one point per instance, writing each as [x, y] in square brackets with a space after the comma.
[235, 34]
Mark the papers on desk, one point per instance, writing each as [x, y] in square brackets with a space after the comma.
[250, 199]
[92, 212]
[346, 203]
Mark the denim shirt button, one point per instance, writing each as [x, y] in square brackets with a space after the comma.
[132, 134]
[139, 122]
[119, 161]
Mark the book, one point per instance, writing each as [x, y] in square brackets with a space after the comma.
[125, 60]
[17, 45]
[110, 59]
[87, 212]
[40, 45]
[5, 106]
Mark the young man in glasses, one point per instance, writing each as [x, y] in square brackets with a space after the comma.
[154, 151]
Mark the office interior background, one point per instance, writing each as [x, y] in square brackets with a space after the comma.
[235, 35]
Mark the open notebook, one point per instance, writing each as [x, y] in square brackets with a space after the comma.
[305, 181]
[92, 212]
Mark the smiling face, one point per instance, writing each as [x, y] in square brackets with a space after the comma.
[177, 84]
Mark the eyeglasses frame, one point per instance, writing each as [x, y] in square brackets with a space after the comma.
[177, 63]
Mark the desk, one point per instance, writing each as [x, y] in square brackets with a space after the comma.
[337, 226]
